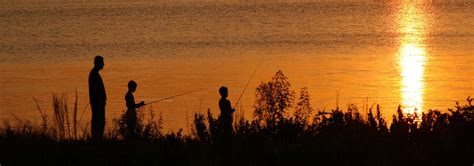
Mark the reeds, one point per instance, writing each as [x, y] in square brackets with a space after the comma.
[64, 127]
[61, 118]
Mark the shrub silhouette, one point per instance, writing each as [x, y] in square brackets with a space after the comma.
[145, 128]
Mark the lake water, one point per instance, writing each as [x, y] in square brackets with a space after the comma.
[416, 53]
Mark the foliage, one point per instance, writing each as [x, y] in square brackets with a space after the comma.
[303, 107]
[146, 128]
[273, 99]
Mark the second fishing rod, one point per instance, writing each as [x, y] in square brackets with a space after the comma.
[189, 92]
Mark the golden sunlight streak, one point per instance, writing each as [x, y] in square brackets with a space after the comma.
[412, 62]
[412, 56]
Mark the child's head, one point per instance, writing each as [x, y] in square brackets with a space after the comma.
[223, 91]
[132, 86]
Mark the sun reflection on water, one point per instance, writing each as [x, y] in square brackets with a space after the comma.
[412, 62]
[412, 56]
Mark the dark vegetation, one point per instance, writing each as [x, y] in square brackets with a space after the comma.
[285, 131]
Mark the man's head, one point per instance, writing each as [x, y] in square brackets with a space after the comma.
[132, 86]
[99, 62]
[223, 91]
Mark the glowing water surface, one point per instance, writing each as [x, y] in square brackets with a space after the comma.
[412, 55]
[409, 52]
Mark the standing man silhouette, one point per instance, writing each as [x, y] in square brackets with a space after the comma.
[97, 99]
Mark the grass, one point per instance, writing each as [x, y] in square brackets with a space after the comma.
[273, 137]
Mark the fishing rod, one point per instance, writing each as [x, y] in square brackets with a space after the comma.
[248, 82]
[177, 95]
[17, 118]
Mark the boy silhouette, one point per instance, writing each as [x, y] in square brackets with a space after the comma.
[131, 114]
[225, 118]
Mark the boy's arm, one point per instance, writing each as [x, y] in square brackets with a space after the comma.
[131, 102]
[142, 103]
[229, 105]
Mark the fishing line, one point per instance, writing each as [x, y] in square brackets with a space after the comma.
[177, 95]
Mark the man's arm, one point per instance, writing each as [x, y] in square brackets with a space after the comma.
[101, 90]
[93, 90]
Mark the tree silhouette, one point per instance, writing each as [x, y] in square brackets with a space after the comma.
[303, 107]
[273, 99]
